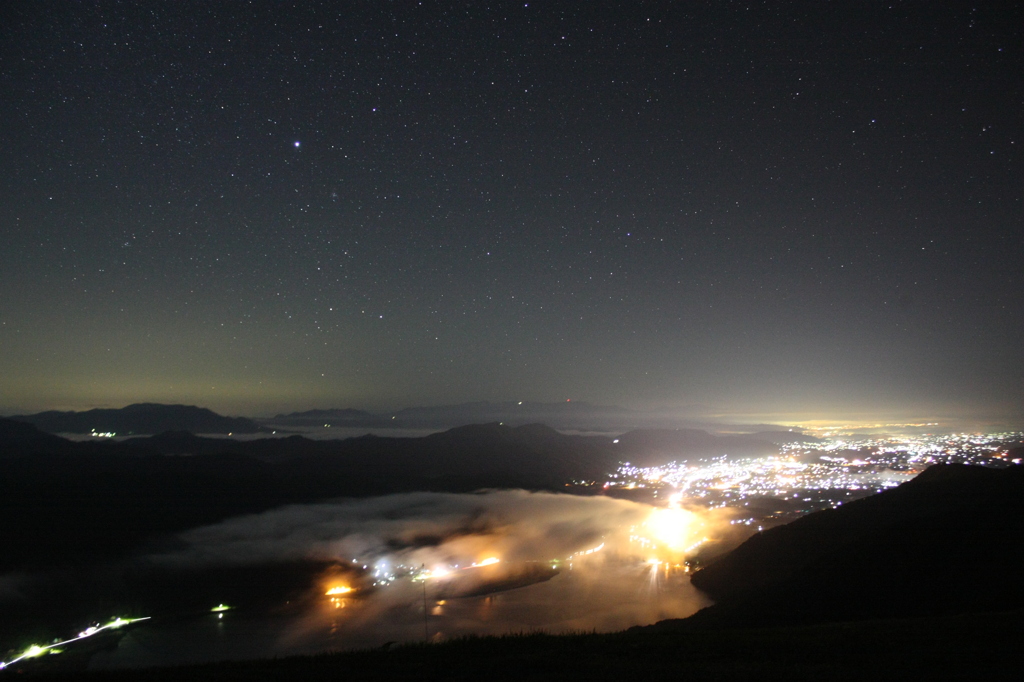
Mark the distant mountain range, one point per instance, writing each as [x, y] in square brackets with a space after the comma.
[342, 417]
[101, 495]
[141, 418]
[567, 415]
[152, 418]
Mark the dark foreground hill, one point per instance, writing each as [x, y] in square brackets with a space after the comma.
[969, 647]
[141, 418]
[945, 542]
[19, 438]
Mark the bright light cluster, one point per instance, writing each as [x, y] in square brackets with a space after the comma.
[37, 650]
[812, 476]
[340, 589]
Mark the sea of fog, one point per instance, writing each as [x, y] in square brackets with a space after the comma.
[602, 597]
[590, 564]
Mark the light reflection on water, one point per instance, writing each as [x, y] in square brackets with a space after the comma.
[593, 595]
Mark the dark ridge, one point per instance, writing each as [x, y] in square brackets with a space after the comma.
[19, 438]
[187, 443]
[344, 414]
[971, 647]
[945, 542]
[335, 417]
[141, 418]
[538, 431]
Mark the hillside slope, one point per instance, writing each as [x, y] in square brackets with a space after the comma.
[945, 542]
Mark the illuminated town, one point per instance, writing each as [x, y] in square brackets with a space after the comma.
[752, 492]
[805, 477]
[692, 502]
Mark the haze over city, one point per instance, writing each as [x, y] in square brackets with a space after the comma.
[776, 212]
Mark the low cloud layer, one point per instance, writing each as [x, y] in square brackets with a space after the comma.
[591, 563]
[418, 528]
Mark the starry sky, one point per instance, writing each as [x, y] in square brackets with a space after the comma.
[783, 209]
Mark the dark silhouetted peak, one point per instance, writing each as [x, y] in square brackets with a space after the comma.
[150, 407]
[142, 418]
[177, 436]
[962, 474]
[21, 438]
[344, 414]
[475, 433]
[945, 542]
[184, 443]
[537, 431]
[11, 429]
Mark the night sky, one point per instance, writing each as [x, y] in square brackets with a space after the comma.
[782, 210]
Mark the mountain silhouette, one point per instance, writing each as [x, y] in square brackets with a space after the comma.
[141, 418]
[943, 543]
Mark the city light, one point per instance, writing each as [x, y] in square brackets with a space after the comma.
[341, 589]
[37, 650]
[802, 478]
